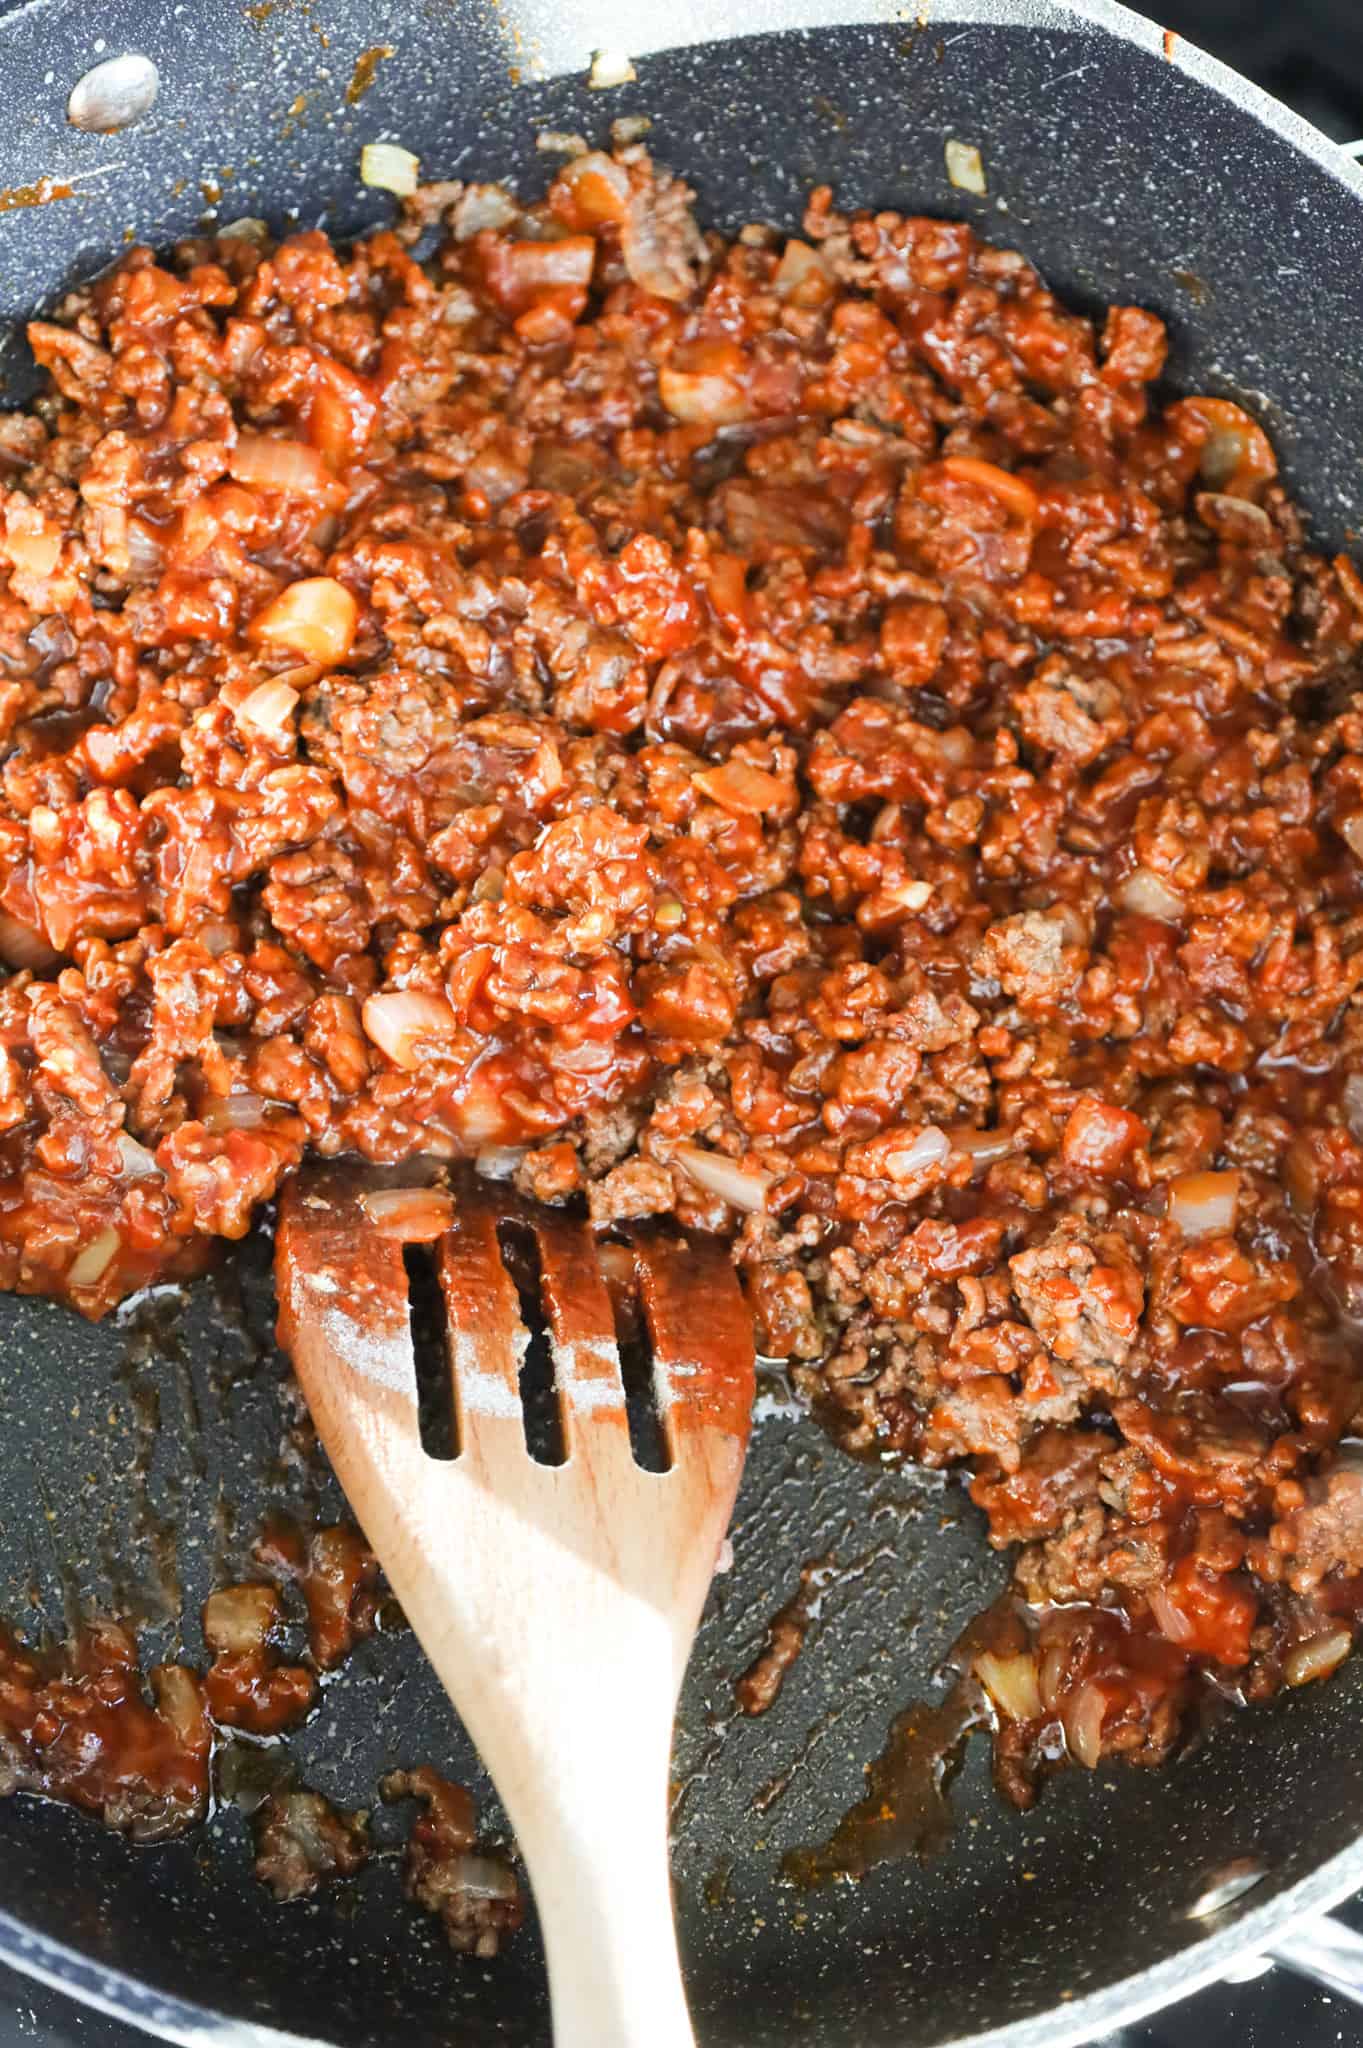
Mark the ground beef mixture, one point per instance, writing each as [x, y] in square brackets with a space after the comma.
[75, 1725]
[81, 1722]
[790, 735]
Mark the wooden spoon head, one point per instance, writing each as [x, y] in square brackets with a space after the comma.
[344, 1319]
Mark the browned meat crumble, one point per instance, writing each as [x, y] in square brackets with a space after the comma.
[304, 1842]
[790, 735]
[474, 1893]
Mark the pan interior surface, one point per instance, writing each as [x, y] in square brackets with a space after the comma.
[146, 1451]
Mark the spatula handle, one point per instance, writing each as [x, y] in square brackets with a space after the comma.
[604, 1898]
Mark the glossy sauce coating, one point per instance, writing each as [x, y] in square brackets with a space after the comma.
[792, 738]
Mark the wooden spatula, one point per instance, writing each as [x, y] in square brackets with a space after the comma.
[557, 1603]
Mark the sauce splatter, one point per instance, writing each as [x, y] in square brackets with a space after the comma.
[761, 1683]
[906, 1810]
[47, 189]
[362, 77]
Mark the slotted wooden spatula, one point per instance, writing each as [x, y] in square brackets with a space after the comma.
[557, 1603]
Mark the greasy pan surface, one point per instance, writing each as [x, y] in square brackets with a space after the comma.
[1125, 176]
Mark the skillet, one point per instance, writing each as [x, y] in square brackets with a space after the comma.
[137, 1458]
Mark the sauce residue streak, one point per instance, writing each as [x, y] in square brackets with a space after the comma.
[906, 1810]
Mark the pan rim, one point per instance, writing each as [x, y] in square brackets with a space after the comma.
[123, 1997]
[567, 31]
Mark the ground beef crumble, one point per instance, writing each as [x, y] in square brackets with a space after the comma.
[303, 1842]
[790, 736]
[81, 1721]
[475, 1893]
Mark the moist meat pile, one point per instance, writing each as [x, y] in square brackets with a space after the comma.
[789, 735]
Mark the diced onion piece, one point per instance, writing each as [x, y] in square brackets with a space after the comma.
[389, 168]
[1204, 1204]
[703, 384]
[927, 1148]
[89, 1266]
[138, 1162]
[403, 1023]
[718, 1175]
[482, 1877]
[1011, 1684]
[1235, 519]
[1146, 894]
[317, 617]
[599, 188]
[910, 894]
[52, 640]
[1083, 1718]
[560, 142]
[1350, 830]
[739, 787]
[802, 274]
[1317, 1657]
[268, 464]
[982, 1148]
[479, 207]
[146, 556]
[269, 707]
[239, 1112]
[1351, 1101]
[499, 1162]
[179, 1702]
[238, 1619]
[591, 1056]
[1237, 456]
[248, 229]
[21, 946]
[965, 167]
[299, 678]
[33, 554]
[1051, 1678]
[527, 269]
[480, 1117]
[415, 1215]
[610, 67]
[1172, 1622]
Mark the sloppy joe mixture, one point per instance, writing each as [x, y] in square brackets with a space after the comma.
[794, 735]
